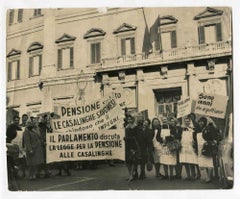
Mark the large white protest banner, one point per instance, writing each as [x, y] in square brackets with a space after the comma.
[184, 107]
[98, 115]
[96, 145]
[211, 105]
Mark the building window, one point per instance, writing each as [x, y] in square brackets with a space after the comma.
[65, 58]
[15, 16]
[65, 55]
[37, 12]
[126, 37]
[128, 46]
[169, 40]
[95, 36]
[167, 33]
[35, 65]
[14, 70]
[210, 33]
[35, 59]
[209, 25]
[13, 58]
[95, 53]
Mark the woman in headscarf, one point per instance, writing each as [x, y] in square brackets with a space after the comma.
[34, 147]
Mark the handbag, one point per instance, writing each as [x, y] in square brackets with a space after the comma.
[210, 148]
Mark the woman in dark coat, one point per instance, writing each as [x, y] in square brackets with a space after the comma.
[131, 147]
[34, 147]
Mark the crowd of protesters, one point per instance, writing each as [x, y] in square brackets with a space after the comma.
[160, 143]
[26, 151]
[167, 144]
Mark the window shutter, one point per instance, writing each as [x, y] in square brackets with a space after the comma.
[18, 69]
[201, 35]
[123, 46]
[133, 45]
[37, 12]
[40, 64]
[173, 39]
[219, 31]
[98, 53]
[71, 57]
[59, 59]
[30, 66]
[11, 17]
[20, 15]
[92, 53]
[9, 71]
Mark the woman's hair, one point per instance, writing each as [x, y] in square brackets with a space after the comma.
[148, 120]
[156, 120]
[173, 118]
[30, 124]
[204, 120]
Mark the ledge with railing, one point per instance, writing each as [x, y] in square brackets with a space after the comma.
[203, 50]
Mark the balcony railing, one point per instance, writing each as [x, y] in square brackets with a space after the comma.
[172, 54]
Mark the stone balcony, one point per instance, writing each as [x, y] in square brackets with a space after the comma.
[202, 51]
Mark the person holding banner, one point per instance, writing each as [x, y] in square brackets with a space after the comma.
[34, 147]
[167, 158]
[187, 156]
[156, 130]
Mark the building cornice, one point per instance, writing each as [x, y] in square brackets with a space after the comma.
[66, 18]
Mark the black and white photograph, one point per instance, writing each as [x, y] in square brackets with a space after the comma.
[119, 98]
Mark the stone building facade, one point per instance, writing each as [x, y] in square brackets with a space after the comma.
[158, 55]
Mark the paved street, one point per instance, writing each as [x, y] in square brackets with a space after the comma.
[107, 178]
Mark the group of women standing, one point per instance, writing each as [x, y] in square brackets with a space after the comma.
[167, 144]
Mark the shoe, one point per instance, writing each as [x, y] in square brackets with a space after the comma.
[187, 178]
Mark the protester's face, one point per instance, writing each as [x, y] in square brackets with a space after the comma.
[146, 123]
[35, 121]
[172, 122]
[140, 121]
[156, 123]
[24, 119]
[187, 122]
[16, 121]
[130, 120]
[164, 120]
[201, 123]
